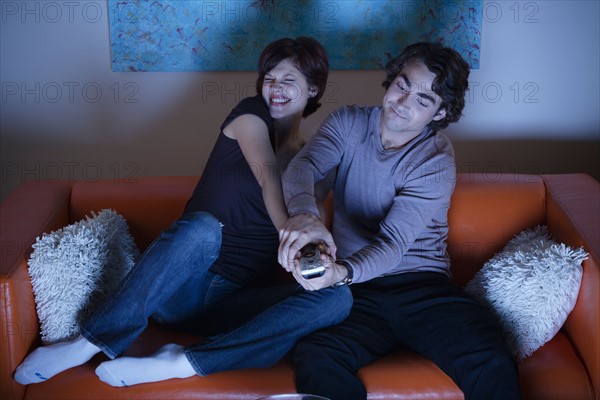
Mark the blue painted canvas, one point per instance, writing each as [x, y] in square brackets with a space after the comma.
[228, 35]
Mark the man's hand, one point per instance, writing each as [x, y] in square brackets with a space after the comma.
[333, 273]
[297, 232]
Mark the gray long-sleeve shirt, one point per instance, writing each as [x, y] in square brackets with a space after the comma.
[391, 206]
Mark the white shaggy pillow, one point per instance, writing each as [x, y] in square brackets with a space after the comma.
[532, 286]
[75, 268]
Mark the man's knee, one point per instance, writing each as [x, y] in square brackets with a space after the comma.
[502, 364]
[492, 375]
[320, 370]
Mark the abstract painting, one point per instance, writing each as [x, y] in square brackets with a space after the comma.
[228, 35]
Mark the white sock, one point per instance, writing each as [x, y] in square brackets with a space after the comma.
[167, 363]
[47, 361]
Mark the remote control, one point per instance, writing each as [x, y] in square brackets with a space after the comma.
[311, 263]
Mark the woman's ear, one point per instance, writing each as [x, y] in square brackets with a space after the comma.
[312, 91]
[441, 114]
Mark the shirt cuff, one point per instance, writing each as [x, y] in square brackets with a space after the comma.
[303, 203]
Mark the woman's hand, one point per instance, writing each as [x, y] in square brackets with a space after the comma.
[297, 232]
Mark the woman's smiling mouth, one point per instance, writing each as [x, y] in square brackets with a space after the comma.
[279, 101]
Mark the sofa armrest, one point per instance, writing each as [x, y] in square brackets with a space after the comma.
[573, 218]
[32, 209]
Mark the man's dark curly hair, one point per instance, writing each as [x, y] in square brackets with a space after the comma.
[451, 71]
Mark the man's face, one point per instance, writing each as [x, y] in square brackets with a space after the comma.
[409, 105]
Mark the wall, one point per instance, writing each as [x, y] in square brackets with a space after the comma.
[533, 106]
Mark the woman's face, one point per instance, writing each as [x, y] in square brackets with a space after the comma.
[286, 91]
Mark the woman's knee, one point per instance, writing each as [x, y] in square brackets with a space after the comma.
[193, 239]
[199, 229]
[337, 303]
[201, 222]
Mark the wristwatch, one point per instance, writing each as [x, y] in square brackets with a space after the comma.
[348, 279]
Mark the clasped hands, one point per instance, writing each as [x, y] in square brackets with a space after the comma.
[297, 232]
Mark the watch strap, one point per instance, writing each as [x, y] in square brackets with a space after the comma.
[348, 279]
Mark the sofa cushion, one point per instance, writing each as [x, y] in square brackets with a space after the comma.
[400, 375]
[74, 268]
[531, 286]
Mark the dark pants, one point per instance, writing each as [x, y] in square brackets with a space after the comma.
[424, 312]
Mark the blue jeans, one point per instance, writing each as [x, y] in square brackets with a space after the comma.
[246, 327]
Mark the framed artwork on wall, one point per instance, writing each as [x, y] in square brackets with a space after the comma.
[228, 35]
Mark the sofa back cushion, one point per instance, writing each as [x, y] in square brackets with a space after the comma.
[485, 213]
[149, 204]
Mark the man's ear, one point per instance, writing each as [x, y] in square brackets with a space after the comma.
[312, 91]
[441, 114]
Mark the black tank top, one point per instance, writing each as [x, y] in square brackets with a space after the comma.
[230, 192]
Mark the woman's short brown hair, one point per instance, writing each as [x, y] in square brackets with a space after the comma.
[307, 55]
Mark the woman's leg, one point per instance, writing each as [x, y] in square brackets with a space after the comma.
[170, 360]
[257, 328]
[186, 249]
[227, 306]
[265, 337]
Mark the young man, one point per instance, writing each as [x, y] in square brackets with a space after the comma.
[394, 175]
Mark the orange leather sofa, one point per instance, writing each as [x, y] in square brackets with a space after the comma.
[486, 211]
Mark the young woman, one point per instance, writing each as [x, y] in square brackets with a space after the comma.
[212, 272]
